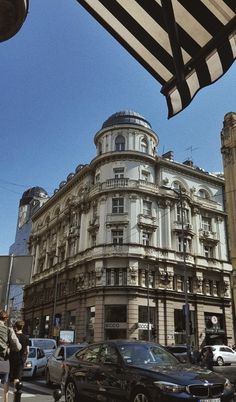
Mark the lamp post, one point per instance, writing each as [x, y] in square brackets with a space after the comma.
[55, 301]
[183, 241]
[186, 304]
[148, 304]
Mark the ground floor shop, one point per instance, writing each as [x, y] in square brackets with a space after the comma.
[131, 312]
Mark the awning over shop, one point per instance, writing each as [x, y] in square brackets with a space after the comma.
[185, 44]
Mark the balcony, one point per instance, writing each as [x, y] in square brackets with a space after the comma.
[146, 221]
[187, 227]
[208, 235]
[116, 219]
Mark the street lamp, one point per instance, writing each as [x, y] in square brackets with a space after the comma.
[183, 241]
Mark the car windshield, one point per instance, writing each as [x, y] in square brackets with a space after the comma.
[32, 352]
[137, 354]
[71, 350]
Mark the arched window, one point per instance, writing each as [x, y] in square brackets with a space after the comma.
[203, 194]
[144, 146]
[120, 143]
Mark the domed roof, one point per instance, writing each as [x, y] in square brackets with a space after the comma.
[33, 192]
[126, 117]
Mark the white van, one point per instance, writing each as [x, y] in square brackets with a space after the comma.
[47, 345]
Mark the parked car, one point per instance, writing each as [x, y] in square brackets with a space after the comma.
[138, 371]
[55, 362]
[222, 354]
[48, 345]
[36, 362]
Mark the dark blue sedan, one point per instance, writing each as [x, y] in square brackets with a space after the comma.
[136, 371]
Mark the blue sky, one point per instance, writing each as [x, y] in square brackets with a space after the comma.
[62, 76]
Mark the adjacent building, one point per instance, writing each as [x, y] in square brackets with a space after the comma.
[228, 141]
[112, 245]
[31, 200]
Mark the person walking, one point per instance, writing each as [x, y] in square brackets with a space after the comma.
[8, 342]
[207, 358]
[18, 358]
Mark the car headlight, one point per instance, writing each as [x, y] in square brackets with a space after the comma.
[169, 387]
[228, 386]
[28, 364]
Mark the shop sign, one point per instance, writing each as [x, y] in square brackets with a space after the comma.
[214, 319]
[144, 325]
[115, 325]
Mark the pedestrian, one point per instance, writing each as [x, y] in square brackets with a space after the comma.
[207, 358]
[8, 342]
[196, 356]
[18, 358]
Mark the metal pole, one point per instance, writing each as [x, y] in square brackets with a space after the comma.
[148, 304]
[186, 309]
[9, 282]
[55, 300]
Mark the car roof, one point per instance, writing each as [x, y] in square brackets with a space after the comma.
[119, 342]
[71, 345]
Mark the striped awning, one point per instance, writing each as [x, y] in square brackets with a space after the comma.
[185, 44]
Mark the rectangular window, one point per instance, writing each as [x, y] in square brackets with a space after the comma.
[116, 313]
[108, 277]
[146, 238]
[143, 314]
[118, 173]
[208, 251]
[185, 214]
[187, 245]
[116, 276]
[206, 223]
[117, 236]
[93, 240]
[145, 175]
[147, 208]
[118, 205]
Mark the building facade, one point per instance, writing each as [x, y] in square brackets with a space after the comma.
[111, 246]
[31, 200]
[228, 150]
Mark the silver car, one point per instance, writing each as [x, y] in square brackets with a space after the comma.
[36, 363]
[222, 354]
[55, 362]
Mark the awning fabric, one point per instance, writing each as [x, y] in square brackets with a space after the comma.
[184, 44]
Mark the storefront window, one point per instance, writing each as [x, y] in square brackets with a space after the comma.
[215, 332]
[116, 313]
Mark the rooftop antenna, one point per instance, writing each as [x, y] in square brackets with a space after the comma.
[191, 149]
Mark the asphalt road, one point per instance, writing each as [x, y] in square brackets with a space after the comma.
[33, 391]
[37, 391]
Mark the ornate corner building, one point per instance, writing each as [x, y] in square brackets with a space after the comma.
[110, 246]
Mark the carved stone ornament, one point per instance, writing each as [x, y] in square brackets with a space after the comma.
[98, 272]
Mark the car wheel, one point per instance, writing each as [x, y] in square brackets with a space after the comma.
[48, 380]
[141, 396]
[71, 394]
[220, 361]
